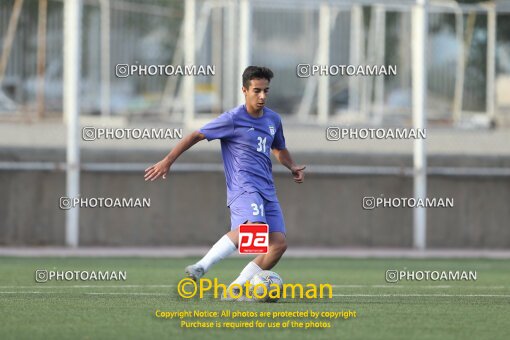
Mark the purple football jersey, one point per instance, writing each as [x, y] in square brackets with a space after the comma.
[246, 144]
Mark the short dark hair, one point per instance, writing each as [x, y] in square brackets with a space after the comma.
[256, 72]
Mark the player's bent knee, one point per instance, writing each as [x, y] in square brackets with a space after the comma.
[283, 247]
[234, 236]
[279, 247]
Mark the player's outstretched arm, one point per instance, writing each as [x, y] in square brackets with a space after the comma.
[283, 156]
[161, 168]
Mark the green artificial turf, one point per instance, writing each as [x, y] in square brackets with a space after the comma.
[126, 309]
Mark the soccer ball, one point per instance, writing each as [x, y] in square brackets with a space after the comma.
[272, 281]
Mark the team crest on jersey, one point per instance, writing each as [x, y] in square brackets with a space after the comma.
[272, 130]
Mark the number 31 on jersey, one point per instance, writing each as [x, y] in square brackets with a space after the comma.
[261, 145]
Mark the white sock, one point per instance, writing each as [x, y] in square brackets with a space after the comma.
[221, 249]
[247, 273]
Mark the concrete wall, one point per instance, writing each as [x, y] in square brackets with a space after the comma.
[189, 207]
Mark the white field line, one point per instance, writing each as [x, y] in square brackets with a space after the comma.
[30, 292]
[156, 294]
[43, 286]
[396, 286]
[420, 286]
[424, 295]
[146, 294]
[337, 295]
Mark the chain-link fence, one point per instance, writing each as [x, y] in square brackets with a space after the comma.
[466, 72]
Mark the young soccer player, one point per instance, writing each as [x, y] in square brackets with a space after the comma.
[248, 133]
